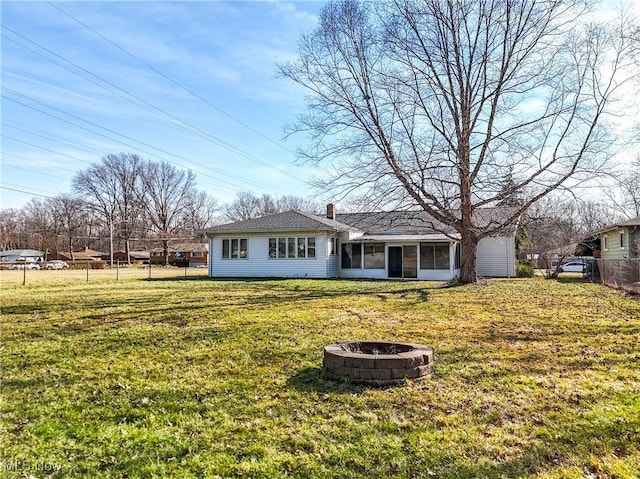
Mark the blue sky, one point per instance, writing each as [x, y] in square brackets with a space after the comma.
[192, 83]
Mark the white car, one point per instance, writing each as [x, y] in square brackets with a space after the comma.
[573, 267]
[56, 264]
[27, 265]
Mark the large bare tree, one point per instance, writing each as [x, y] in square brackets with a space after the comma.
[441, 103]
[166, 191]
[110, 187]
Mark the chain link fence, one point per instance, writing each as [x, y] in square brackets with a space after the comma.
[622, 274]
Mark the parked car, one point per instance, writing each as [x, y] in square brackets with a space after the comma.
[28, 265]
[573, 267]
[56, 264]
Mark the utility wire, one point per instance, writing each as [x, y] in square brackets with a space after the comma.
[245, 182]
[31, 160]
[171, 80]
[152, 108]
[28, 192]
[34, 171]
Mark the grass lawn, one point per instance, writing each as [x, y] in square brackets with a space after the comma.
[189, 377]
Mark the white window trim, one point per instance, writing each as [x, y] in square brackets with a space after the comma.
[286, 245]
[239, 240]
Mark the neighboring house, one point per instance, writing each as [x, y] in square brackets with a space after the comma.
[136, 257]
[22, 255]
[85, 254]
[621, 240]
[184, 254]
[398, 244]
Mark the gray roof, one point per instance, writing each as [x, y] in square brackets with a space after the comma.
[394, 223]
[21, 252]
[412, 222]
[631, 222]
[419, 222]
[287, 221]
[622, 224]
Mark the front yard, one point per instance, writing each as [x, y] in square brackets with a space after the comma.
[198, 378]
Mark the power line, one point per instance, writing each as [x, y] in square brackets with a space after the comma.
[27, 192]
[150, 107]
[31, 160]
[171, 80]
[113, 139]
[35, 171]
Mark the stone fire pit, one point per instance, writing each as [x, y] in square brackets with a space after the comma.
[378, 363]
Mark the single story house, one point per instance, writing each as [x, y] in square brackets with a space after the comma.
[21, 255]
[184, 254]
[136, 257]
[621, 240]
[85, 254]
[379, 245]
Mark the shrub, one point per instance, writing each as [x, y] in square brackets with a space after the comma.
[525, 270]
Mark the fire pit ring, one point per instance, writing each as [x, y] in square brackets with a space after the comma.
[378, 363]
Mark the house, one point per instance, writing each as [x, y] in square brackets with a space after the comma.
[136, 257]
[21, 255]
[184, 254]
[621, 240]
[379, 245]
[85, 254]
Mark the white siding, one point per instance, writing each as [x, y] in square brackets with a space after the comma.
[496, 257]
[257, 264]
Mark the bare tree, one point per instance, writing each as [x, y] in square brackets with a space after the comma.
[291, 202]
[557, 228]
[12, 229]
[111, 188]
[625, 195]
[165, 191]
[433, 102]
[69, 220]
[247, 205]
[41, 232]
[199, 211]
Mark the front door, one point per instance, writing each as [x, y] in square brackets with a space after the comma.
[395, 261]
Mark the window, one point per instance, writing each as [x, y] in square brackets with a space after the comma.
[234, 248]
[196, 254]
[311, 242]
[605, 243]
[333, 246]
[621, 239]
[434, 255]
[302, 248]
[292, 248]
[273, 247]
[374, 256]
[351, 255]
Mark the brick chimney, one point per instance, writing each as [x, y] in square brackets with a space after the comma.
[331, 211]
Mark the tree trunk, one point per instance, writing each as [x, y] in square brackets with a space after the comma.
[469, 245]
[165, 251]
